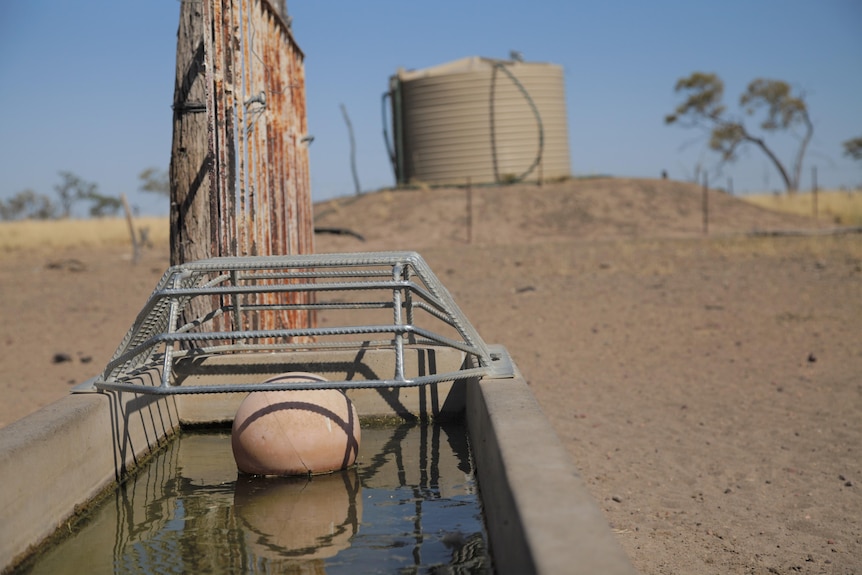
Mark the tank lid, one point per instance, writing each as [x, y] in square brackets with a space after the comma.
[462, 66]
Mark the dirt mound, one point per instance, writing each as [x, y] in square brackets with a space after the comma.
[605, 208]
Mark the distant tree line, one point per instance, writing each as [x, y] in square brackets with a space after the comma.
[73, 191]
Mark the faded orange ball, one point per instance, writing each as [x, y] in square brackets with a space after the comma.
[295, 432]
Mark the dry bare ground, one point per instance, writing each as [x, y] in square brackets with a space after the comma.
[707, 388]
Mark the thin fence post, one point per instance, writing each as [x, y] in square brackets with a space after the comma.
[705, 204]
[814, 191]
[469, 211]
[353, 171]
[136, 251]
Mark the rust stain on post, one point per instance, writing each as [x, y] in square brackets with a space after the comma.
[260, 200]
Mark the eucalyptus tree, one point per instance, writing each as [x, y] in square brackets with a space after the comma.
[773, 100]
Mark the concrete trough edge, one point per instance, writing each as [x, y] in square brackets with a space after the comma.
[539, 514]
[57, 460]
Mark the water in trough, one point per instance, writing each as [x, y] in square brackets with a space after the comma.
[410, 505]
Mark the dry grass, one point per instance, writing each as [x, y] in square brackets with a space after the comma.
[839, 207]
[40, 234]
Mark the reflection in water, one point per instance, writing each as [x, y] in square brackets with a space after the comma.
[285, 518]
[409, 506]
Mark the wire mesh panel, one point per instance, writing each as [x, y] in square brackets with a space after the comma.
[368, 301]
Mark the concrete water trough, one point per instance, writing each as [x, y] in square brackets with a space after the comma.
[213, 331]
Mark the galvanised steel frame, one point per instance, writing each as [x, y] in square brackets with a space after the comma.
[397, 286]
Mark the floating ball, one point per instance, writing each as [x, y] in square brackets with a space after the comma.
[295, 432]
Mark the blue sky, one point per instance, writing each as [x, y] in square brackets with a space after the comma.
[87, 86]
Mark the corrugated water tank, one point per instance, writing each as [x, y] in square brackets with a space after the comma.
[486, 120]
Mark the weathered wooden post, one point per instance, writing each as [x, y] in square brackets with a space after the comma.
[239, 164]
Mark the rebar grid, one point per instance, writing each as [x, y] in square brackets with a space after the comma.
[397, 287]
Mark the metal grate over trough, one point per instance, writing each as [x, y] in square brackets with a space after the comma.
[363, 301]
